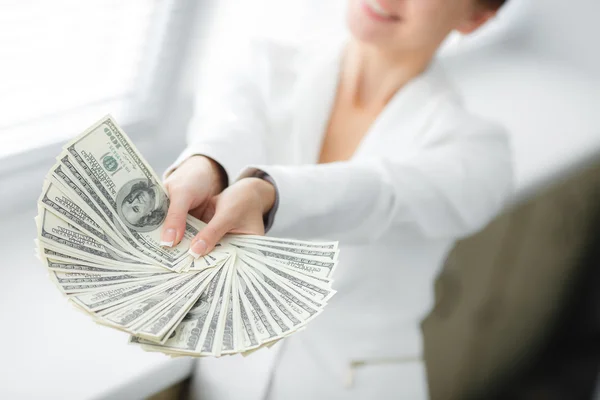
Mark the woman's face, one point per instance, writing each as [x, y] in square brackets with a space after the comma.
[412, 25]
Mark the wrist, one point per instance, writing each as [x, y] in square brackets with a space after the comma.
[266, 193]
[218, 176]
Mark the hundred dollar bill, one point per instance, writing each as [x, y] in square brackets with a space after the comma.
[104, 159]
[289, 304]
[213, 322]
[60, 204]
[216, 343]
[279, 318]
[61, 266]
[264, 240]
[68, 178]
[287, 317]
[61, 177]
[101, 213]
[329, 255]
[229, 342]
[249, 335]
[77, 289]
[303, 309]
[164, 283]
[186, 337]
[55, 260]
[145, 308]
[85, 281]
[244, 334]
[311, 288]
[210, 323]
[75, 267]
[160, 328]
[314, 254]
[310, 265]
[67, 174]
[120, 295]
[212, 259]
[265, 327]
[67, 239]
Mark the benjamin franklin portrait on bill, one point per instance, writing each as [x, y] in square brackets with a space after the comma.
[201, 306]
[141, 205]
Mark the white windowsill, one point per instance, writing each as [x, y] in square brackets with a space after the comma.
[51, 351]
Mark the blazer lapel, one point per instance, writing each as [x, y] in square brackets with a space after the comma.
[409, 114]
[313, 100]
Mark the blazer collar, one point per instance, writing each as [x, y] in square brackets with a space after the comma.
[407, 113]
[313, 100]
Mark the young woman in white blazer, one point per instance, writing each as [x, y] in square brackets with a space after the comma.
[362, 141]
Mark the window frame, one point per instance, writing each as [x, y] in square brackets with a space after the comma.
[171, 37]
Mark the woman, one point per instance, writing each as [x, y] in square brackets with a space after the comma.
[363, 142]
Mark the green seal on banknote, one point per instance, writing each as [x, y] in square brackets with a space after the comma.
[110, 163]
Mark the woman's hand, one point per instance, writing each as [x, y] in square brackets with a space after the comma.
[190, 188]
[238, 209]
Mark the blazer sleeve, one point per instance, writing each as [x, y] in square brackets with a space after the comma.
[448, 190]
[229, 123]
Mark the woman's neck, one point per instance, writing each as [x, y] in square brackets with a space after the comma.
[371, 77]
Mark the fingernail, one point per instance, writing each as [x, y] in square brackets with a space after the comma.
[198, 248]
[168, 237]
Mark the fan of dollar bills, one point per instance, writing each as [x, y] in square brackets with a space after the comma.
[99, 221]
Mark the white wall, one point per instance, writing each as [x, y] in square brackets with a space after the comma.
[535, 69]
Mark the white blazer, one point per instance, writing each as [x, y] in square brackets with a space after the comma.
[426, 174]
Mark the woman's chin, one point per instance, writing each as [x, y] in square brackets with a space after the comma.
[365, 30]
[367, 34]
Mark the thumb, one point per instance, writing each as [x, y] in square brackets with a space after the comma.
[174, 225]
[207, 239]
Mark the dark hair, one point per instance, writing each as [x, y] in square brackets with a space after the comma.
[493, 4]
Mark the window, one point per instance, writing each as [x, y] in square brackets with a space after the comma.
[66, 63]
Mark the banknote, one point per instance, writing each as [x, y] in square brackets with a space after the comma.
[68, 184]
[161, 327]
[247, 337]
[285, 317]
[84, 282]
[188, 334]
[265, 327]
[271, 241]
[77, 266]
[214, 321]
[229, 341]
[106, 297]
[310, 287]
[307, 264]
[145, 308]
[56, 201]
[115, 175]
[101, 212]
[63, 236]
[298, 309]
[285, 247]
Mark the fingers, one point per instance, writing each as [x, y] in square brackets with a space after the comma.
[198, 212]
[174, 226]
[204, 212]
[207, 239]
